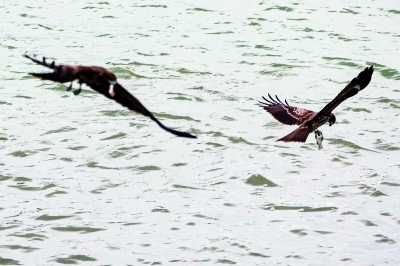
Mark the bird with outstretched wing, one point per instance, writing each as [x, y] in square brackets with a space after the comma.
[102, 81]
[308, 121]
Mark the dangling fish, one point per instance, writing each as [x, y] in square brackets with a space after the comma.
[319, 138]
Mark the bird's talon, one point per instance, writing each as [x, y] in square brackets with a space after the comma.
[70, 87]
[78, 90]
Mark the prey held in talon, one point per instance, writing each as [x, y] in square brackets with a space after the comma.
[319, 138]
[101, 80]
[307, 120]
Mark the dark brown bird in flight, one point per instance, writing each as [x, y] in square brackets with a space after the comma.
[102, 81]
[307, 120]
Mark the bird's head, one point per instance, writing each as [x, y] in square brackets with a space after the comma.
[109, 76]
[332, 120]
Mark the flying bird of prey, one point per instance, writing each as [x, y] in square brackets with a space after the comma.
[102, 81]
[307, 120]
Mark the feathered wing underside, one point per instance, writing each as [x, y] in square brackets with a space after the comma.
[285, 113]
[357, 84]
[123, 97]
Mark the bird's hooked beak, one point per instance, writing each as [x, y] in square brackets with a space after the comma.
[111, 90]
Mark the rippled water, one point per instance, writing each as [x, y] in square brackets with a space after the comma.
[84, 181]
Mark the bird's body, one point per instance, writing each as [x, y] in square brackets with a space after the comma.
[102, 81]
[307, 120]
[319, 138]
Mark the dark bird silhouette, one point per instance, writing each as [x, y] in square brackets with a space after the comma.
[307, 120]
[102, 81]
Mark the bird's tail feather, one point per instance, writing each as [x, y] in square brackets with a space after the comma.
[173, 131]
[298, 135]
[48, 76]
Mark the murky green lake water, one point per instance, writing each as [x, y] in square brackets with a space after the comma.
[84, 181]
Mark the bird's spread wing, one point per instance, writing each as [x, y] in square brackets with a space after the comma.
[356, 85]
[285, 113]
[43, 62]
[61, 73]
[123, 97]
